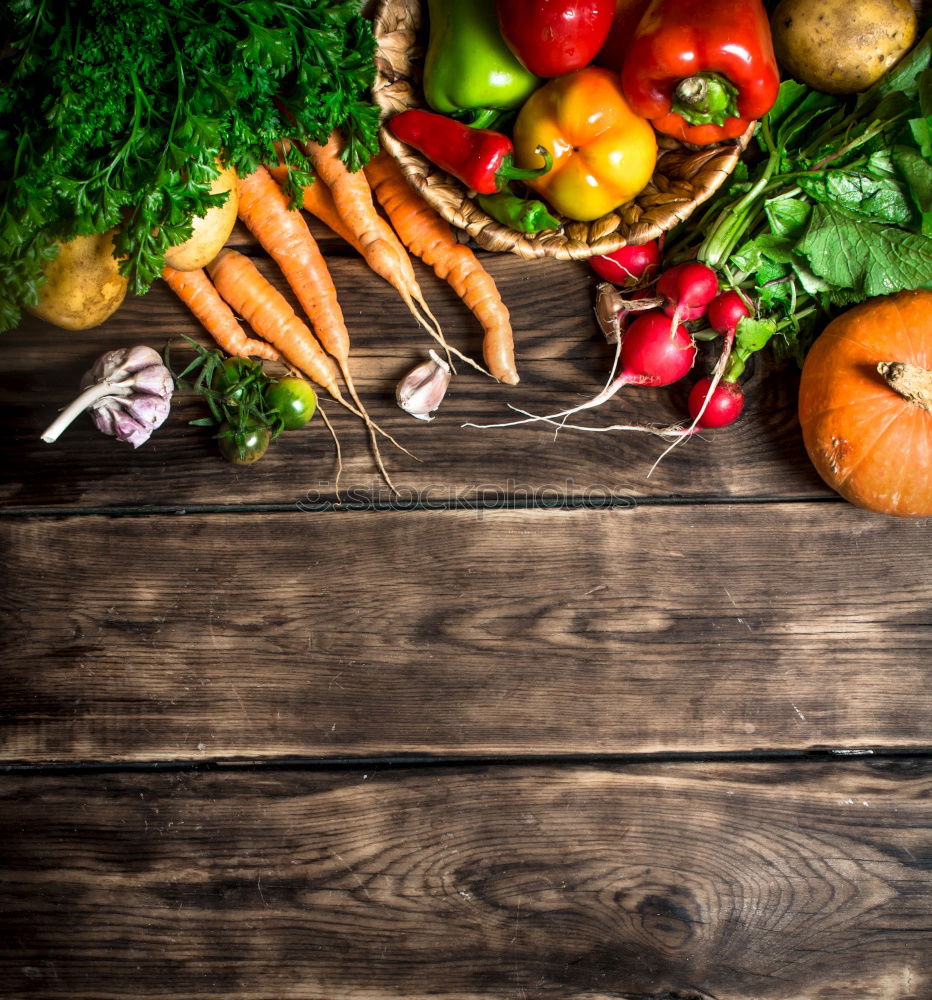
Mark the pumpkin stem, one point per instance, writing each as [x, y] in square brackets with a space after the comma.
[912, 382]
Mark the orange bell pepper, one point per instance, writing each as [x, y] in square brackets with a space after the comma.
[603, 153]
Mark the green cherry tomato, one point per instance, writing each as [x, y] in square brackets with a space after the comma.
[228, 378]
[293, 399]
[246, 446]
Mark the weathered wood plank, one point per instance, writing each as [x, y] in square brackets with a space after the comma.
[738, 882]
[627, 630]
[563, 359]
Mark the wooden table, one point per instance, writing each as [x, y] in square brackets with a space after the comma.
[544, 725]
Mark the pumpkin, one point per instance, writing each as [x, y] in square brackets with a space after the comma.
[865, 404]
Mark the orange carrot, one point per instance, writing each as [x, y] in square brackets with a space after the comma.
[318, 201]
[267, 311]
[200, 296]
[352, 198]
[263, 207]
[429, 236]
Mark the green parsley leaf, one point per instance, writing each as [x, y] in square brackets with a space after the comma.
[113, 113]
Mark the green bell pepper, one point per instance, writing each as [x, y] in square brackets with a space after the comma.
[469, 70]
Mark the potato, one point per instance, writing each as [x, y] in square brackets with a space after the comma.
[840, 46]
[83, 284]
[211, 231]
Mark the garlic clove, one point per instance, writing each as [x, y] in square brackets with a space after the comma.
[150, 411]
[422, 390]
[121, 424]
[155, 380]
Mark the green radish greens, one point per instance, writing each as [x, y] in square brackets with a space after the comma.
[113, 111]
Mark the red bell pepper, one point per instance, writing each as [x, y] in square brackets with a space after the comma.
[555, 37]
[702, 70]
[482, 159]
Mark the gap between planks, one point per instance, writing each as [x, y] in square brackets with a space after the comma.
[568, 503]
[451, 762]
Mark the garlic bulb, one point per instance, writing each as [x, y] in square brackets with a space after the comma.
[422, 390]
[128, 392]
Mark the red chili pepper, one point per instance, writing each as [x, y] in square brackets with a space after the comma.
[702, 70]
[483, 160]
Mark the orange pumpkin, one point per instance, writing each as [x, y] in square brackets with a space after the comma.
[865, 404]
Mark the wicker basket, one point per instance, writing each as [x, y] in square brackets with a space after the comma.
[684, 177]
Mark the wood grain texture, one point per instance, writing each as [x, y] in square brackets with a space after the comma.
[539, 632]
[562, 358]
[733, 882]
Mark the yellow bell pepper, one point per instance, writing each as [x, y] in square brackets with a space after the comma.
[603, 153]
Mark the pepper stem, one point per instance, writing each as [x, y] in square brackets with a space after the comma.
[84, 402]
[509, 172]
[912, 382]
[705, 99]
[485, 118]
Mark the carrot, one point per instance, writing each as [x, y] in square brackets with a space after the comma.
[428, 236]
[267, 311]
[318, 201]
[352, 198]
[263, 207]
[200, 296]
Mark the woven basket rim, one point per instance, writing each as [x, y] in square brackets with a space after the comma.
[682, 170]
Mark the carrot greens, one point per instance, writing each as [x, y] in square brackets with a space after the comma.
[112, 112]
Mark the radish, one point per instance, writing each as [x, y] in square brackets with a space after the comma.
[712, 402]
[716, 406]
[726, 311]
[717, 400]
[629, 265]
[653, 353]
[688, 289]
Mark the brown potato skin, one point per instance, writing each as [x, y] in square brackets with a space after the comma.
[841, 46]
[83, 285]
[210, 232]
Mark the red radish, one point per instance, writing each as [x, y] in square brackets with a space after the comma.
[715, 402]
[653, 353]
[688, 289]
[718, 408]
[712, 402]
[629, 265]
[726, 311]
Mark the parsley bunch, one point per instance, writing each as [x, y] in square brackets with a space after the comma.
[112, 113]
[837, 208]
